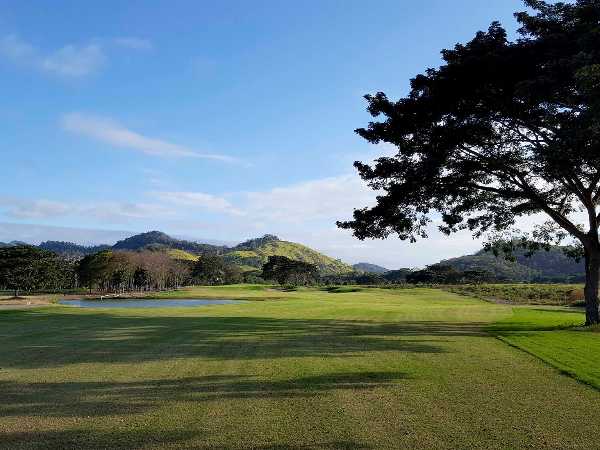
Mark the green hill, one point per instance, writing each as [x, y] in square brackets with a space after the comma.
[542, 266]
[158, 239]
[369, 268]
[71, 250]
[256, 252]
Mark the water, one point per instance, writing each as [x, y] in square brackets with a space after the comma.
[140, 303]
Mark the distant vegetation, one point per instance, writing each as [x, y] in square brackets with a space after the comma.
[155, 261]
[70, 250]
[541, 294]
[158, 240]
[541, 267]
[369, 268]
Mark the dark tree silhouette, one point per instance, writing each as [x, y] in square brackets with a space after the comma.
[501, 130]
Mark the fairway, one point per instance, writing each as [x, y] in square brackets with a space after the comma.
[307, 369]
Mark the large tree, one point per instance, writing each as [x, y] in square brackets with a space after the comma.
[27, 268]
[501, 130]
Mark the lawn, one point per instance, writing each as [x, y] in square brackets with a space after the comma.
[306, 369]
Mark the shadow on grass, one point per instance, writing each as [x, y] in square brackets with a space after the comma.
[131, 439]
[45, 338]
[90, 439]
[94, 399]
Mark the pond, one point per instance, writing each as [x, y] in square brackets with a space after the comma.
[144, 303]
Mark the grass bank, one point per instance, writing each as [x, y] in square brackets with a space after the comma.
[306, 369]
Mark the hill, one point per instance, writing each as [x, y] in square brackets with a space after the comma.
[249, 255]
[182, 255]
[159, 239]
[542, 266]
[71, 250]
[255, 252]
[369, 268]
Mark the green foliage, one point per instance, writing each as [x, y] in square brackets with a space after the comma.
[214, 270]
[27, 268]
[119, 271]
[290, 272]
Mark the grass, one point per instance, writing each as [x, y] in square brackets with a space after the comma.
[304, 369]
[182, 255]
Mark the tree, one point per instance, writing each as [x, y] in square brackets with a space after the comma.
[213, 269]
[288, 271]
[501, 130]
[26, 268]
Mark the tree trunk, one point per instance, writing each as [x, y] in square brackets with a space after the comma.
[592, 279]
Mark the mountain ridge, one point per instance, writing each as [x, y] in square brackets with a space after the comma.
[369, 268]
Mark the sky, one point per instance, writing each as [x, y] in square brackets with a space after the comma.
[211, 120]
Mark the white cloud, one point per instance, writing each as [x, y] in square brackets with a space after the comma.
[200, 200]
[13, 48]
[133, 43]
[109, 131]
[124, 212]
[110, 211]
[69, 61]
[311, 200]
[34, 209]
[75, 61]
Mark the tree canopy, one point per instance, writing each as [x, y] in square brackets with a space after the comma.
[501, 130]
[288, 271]
[27, 268]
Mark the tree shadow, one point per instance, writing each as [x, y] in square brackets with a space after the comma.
[90, 439]
[132, 439]
[95, 399]
[37, 339]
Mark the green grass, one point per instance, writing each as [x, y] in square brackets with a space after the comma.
[553, 336]
[305, 369]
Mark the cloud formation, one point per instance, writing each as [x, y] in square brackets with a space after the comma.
[310, 200]
[199, 200]
[133, 43]
[33, 209]
[111, 132]
[69, 61]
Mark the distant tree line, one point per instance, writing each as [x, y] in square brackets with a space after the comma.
[27, 269]
[433, 274]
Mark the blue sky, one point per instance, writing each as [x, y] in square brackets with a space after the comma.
[222, 120]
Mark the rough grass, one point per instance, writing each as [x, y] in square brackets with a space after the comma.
[370, 369]
[520, 294]
[182, 255]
